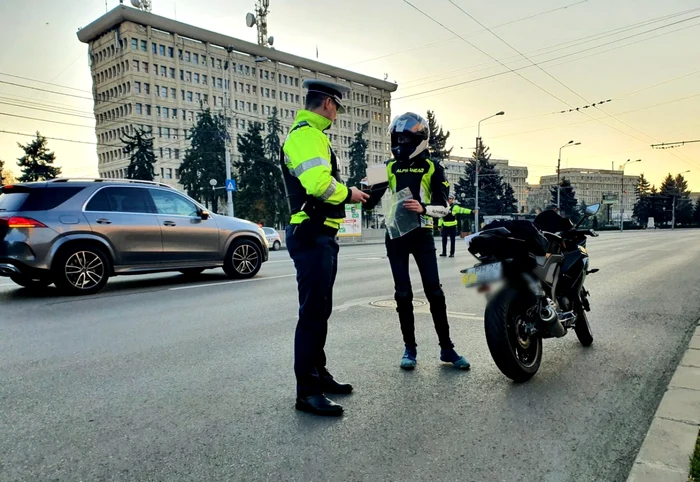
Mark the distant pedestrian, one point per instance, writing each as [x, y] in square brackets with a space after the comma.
[317, 201]
[448, 226]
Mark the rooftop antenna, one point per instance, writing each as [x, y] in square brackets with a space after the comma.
[259, 19]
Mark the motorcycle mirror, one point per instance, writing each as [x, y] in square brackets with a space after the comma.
[592, 209]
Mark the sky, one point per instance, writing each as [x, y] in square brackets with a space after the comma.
[463, 59]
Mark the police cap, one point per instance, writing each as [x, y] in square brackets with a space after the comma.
[330, 89]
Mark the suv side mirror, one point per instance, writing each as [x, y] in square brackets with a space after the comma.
[204, 214]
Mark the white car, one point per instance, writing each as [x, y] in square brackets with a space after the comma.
[273, 238]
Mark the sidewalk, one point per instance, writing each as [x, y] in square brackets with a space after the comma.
[670, 442]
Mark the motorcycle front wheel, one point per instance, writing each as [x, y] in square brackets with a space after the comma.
[517, 354]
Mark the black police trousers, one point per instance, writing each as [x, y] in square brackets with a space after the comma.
[448, 232]
[315, 256]
[421, 245]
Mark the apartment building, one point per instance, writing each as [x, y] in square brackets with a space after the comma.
[154, 72]
[600, 186]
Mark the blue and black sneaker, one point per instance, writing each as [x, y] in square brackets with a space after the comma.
[408, 362]
[451, 356]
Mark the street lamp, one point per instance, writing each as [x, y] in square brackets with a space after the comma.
[479, 148]
[622, 194]
[673, 209]
[568, 144]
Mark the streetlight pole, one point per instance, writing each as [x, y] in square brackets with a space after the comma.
[227, 83]
[568, 144]
[622, 194]
[673, 208]
[479, 147]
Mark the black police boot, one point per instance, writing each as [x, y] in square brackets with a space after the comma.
[319, 405]
[329, 385]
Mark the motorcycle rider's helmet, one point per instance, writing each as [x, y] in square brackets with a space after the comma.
[409, 134]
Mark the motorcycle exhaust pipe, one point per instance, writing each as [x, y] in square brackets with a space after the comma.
[548, 314]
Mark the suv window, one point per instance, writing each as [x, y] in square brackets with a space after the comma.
[120, 200]
[21, 198]
[172, 203]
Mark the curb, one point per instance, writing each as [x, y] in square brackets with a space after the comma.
[670, 442]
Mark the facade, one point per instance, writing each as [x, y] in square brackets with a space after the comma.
[539, 198]
[155, 72]
[600, 186]
[516, 176]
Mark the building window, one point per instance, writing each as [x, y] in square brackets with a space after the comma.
[175, 117]
[148, 109]
[163, 71]
[136, 64]
[196, 78]
[204, 60]
[188, 56]
[158, 115]
[189, 96]
[182, 92]
[173, 93]
[154, 48]
[147, 88]
[144, 65]
[199, 97]
[161, 50]
[204, 80]
[166, 115]
[219, 83]
[188, 76]
[139, 109]
[196, 58]
[134, 44]
[218, 64]
[267, 75]
[157, 90]
[144, 46]
[177, 156]
[171, 52]
[137, 87]
[164, 92]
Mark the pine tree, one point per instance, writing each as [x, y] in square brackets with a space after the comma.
[256, 198]
[206, 158]
[141, 157]
[568, 202]
[358, 157]
[684, 205]
[696, 213]
[491, 185]
[273, 145]
[509, 203]
[37, 162]
[642, 207]
[438, 139]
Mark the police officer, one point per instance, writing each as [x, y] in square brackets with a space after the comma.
[412, 168]
[448, 226]
[317, 201]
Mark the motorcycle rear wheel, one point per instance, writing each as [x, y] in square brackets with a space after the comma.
[583, 328]
[515, 353]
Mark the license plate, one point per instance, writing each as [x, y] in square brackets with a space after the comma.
[483, 274]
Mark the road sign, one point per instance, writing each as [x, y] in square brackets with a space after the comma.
[231, 185]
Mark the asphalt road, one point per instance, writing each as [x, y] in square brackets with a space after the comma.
[159, 378]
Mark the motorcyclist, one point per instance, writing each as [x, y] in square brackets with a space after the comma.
[412, 168]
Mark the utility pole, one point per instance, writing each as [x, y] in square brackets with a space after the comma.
[622, 194]
[479, 148]
[227, 84]
[570, 143]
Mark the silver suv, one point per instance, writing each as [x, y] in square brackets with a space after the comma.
[76, 234]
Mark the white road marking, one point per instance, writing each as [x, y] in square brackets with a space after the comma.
[221, 283]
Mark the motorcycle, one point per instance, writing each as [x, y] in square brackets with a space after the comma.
[541, 266]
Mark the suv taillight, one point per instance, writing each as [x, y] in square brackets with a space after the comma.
[22, 222]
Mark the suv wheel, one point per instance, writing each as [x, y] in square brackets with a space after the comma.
[244, 259]
[81, 270]
[30, 283]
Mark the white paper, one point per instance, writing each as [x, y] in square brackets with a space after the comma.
[377, 174]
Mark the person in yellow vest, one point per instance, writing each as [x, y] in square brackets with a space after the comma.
[448, 226]
[316, 198]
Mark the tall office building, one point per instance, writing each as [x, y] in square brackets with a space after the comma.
[152, 71]
[516, 176]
